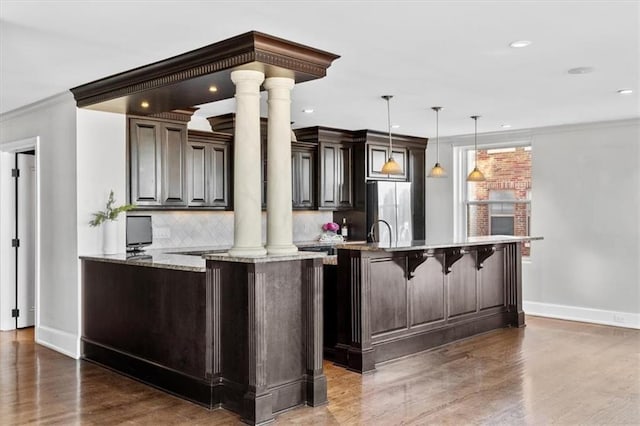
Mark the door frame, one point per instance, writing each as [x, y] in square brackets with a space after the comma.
[12, 148]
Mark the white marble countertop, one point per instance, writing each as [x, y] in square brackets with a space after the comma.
[183, 258]
[430, 245]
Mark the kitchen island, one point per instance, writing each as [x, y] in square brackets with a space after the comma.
[399, 299]
[240, 333]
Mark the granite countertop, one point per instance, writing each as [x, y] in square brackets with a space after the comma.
[194, 258]
[430, 245]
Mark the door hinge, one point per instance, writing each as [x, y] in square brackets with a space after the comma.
[15, 173]
[15, 313]
[15, 242]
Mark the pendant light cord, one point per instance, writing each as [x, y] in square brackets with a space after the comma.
[437, 137]
[389, 126]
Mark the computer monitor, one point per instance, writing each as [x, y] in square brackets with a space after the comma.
[139, 232]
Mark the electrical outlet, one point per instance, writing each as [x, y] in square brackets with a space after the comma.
[618, 318]
[161, 232]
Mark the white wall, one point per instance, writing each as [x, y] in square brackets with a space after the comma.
[586, 205]
[54, 121]
[101, 153]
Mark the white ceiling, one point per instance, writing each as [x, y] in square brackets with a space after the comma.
[455, 54]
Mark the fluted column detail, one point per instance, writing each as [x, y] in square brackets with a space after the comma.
[247, 223]
[279, 211]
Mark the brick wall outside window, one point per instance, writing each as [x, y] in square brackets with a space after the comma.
[504, 171]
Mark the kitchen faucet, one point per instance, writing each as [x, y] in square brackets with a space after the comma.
[372, 234]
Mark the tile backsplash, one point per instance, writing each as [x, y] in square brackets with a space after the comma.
[175, 229]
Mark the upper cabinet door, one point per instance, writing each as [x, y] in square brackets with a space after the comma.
[145, 162]
[219, 175]
[377, 155]
[174, 138]
[207, 171]
[344, 178]
[303, 180]
[328, 162]
[336, 181]
[197, 173]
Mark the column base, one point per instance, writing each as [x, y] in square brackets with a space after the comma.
[282, 249]
[247, 251]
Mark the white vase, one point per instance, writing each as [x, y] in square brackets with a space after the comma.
[110, 237]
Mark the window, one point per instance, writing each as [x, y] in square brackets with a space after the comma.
[501, 205]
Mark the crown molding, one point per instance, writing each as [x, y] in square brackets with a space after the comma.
[182, 81]
[59, 98]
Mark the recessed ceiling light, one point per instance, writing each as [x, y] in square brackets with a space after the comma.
[395, 126]
[144, 104]
[213, 89]
[581, 70]
[307, 110]
[506, 126]
[520, 43]
[625, 91]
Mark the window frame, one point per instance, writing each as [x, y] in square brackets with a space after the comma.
[460, 171]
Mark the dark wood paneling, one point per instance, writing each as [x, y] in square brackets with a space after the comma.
[388, 295]
[428, 292]
[491, 281]
[417, 179]
[462, 286]
[138, 310]
[374, 304]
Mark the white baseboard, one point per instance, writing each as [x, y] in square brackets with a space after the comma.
[60, 341]
[576, 313]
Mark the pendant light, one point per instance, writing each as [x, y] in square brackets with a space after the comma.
[391, 167]
[437, 171]
[476, 175]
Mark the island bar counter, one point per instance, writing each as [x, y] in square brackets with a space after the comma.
[243, 333]
[397, 300]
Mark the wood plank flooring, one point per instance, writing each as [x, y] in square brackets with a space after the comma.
[552, 371]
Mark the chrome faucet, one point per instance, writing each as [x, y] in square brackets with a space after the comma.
[372, 234]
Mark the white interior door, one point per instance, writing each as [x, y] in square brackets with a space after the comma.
[26, 234]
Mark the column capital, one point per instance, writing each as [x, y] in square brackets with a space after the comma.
[240, 76]
[278, 82]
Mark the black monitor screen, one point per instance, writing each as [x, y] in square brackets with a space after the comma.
[139, 231]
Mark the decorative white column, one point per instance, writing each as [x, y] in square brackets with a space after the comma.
[279, 214]
[247, 220]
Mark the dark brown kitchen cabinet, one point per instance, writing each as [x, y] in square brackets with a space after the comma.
[208, 169]
[157, 175]
[303, 160]
[335, 176]
[377, 155]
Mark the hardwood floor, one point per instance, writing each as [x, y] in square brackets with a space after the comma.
[549, 372]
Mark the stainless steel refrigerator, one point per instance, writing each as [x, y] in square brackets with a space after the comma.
[389, 202]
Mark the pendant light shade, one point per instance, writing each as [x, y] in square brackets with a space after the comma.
[437, 171]
[476, 175]
[391, 167]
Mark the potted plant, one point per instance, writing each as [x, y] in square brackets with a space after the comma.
[109, 217]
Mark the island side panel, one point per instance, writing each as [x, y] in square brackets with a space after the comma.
[148, 323]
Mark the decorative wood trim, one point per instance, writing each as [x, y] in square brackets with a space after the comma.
[214, 318]
[415, 259]
[451, 256]
[483, 253]
[184, 114]
[257, 335]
